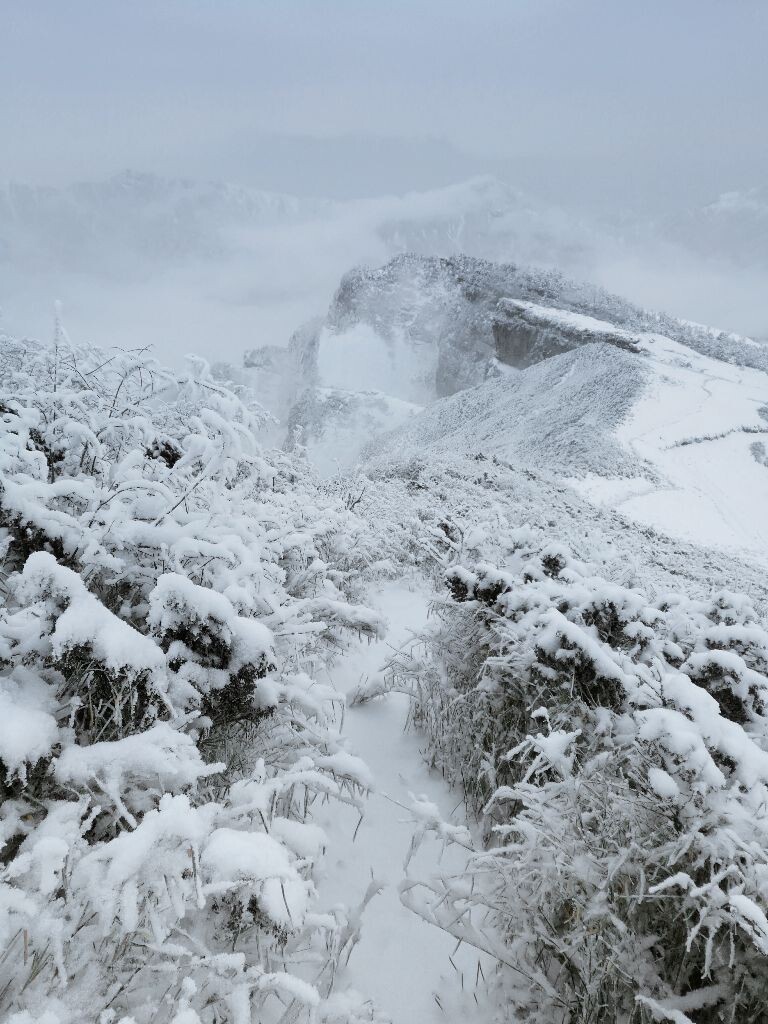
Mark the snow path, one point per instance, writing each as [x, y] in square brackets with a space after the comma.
[400, 962]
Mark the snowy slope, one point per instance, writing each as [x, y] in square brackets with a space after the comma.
[695, 426]
[668, 436]
[559, 414]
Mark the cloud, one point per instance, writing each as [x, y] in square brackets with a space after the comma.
[597, 103]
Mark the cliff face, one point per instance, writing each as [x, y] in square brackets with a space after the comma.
[525, 333]
[446, 305]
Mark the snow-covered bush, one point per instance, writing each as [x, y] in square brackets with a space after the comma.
[167, 592]
[615, 747]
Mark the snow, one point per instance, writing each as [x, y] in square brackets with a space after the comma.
[663, 784]
[85, 622]
[400, 961]
[234, 855]
[751, 918]
[28, 730]
[549, 315]
[160, 753]
[554, 747]
[709, 489]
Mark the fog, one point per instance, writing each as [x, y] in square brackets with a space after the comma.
[608, 130]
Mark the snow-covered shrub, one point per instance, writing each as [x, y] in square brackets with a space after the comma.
[615, 747]
[167, 591]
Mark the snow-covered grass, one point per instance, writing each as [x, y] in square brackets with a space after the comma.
[168, 591]
[560, 414]
[616, 750]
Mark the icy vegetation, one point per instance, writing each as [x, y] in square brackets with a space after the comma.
[613, 746]
[598, 697]
[168, 594]
[518, 517]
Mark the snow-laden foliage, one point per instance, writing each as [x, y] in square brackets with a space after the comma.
[167, 592]
[615, 748]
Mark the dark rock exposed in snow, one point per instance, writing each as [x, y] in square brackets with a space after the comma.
[525, 333]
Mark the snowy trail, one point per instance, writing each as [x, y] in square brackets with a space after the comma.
[401, 962]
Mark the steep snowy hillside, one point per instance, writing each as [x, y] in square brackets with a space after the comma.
[560, 414]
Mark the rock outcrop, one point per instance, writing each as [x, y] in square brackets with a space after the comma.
[525, 333]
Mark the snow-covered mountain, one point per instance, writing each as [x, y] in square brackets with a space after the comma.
[520, 514]
[527, 366]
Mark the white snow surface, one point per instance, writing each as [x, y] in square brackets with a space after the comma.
[401, 962]
[693, 426]
[28, 728]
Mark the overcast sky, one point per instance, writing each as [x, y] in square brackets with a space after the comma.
[645, 104]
